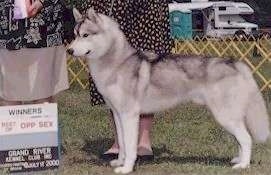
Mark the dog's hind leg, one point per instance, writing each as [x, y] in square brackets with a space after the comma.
[228, 103]
[245, 142]
[234, 123]
[130, 124]
[244, 139]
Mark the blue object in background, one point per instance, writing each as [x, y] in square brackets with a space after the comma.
[181, 24]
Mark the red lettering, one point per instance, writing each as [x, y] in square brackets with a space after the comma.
[45, 124]
[26, 125]
[7, 124]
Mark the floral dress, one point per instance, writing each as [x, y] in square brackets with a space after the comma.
[32, 57]
[44, 30]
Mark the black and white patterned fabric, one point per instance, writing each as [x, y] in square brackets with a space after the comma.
[43, 30]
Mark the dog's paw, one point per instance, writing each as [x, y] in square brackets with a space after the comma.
[116, 163]
[123, 170]
[241, 166]
[236, 160]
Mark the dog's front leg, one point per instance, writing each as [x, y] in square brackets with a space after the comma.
[119, 129]
[130, 125]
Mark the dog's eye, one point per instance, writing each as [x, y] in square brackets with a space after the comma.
[85, 35]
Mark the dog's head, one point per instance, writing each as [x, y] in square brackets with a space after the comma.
[92, 32]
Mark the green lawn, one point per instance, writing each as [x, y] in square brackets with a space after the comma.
[186, 140]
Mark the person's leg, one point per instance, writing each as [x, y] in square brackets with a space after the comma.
[144, 142]
[115, 147]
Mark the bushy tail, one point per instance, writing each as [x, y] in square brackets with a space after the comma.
[257, 119]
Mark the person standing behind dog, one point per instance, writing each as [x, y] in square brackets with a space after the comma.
[146, 26]
[32, 56]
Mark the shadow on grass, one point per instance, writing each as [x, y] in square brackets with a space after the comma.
[95, 148]
[98, 146]
[171, 157]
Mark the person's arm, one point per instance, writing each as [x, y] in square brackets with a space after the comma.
[45, 3]
[36, 6]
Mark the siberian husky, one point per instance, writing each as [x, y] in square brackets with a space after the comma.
[134, 82]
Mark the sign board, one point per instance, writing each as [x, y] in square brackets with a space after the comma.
[29, 137]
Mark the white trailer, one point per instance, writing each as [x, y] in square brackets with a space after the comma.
[220, 18]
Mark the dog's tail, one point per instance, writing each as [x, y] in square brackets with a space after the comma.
[257, 119]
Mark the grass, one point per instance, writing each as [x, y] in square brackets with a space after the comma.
[186, 141]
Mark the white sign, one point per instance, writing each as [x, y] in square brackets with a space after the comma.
[24, 126]
[28, 119]
[29, 137]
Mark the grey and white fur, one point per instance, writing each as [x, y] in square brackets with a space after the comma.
[134, 82]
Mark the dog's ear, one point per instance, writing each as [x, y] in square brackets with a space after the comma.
[77, 16]
[92, 15]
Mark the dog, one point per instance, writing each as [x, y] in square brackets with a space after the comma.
[133, 82]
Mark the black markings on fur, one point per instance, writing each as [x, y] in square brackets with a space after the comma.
[160, 57]
[203, 67]
[77, 28]
[230, 62]
[180, 61]
[140, 54]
